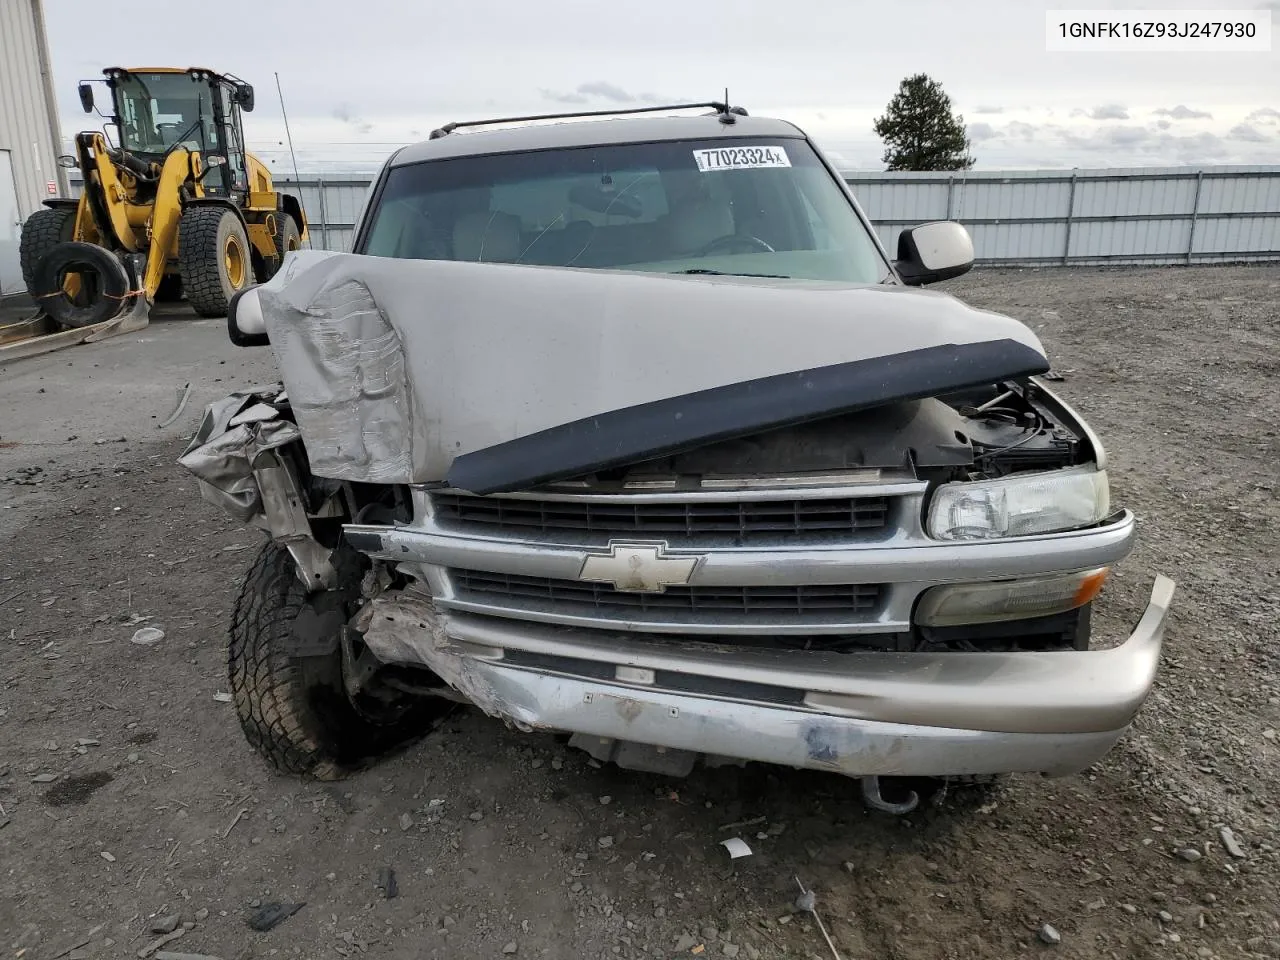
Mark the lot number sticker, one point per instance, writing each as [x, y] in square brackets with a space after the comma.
[740, 158]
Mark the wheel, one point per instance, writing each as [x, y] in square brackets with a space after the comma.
[288, 237]
[213, 258]
[170, 289]
[103, 286]
[295, 710]
[42, 231]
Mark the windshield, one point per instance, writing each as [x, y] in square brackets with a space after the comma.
[157, 110]
[764, 207]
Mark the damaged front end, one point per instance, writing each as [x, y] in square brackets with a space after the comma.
[866, 540]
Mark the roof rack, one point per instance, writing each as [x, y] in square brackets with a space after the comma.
[727, 114]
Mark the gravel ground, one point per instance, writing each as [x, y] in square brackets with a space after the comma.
[129, 799]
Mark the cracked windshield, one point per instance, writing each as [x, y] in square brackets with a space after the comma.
[745, 206]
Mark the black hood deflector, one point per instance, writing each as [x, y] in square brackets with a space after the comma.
[668, 426]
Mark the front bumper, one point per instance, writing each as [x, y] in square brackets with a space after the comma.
[859, 714]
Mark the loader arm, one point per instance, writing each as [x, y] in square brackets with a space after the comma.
[167, 211]
[104, 193]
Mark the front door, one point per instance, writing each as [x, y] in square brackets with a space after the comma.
[10, 228]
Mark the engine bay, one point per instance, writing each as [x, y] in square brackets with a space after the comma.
[981, 433]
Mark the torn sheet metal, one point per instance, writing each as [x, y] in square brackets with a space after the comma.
[222, 456]
[497, 376]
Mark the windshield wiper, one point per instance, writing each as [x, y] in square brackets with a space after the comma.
[730, 273]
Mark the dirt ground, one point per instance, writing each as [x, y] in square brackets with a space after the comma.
[128, 794]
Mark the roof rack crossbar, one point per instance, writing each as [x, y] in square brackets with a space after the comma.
[721, 108]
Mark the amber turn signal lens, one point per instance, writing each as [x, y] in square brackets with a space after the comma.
[1091, 586]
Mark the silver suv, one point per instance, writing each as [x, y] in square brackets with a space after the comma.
[631, 430]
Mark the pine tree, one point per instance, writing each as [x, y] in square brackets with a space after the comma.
[920, 131]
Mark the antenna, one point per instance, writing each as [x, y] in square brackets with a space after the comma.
[289, 136]
[727, 112]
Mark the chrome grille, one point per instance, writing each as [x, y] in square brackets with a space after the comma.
[574, 596]
[744, 519]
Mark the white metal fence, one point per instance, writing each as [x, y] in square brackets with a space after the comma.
[1160, 215]
[1147, 215]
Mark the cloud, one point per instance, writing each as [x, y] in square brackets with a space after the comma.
[1151, 144]
[1164, 124]
[1079, 112]
[1017, 128]
[1124, 136]
[1242, 131]
[597, 90]
[347, 115]
[1196, 148]
[1109, 138]
[605, 91]
[1266, 115]
[1109, 111]
[981, 131]
[989, 109]
[1181, 112]
[574, 98]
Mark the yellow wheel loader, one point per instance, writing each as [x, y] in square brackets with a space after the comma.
[178, 207]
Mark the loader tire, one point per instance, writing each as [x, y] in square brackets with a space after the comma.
[42, 231]
[294, 710]
[104, 285]
[288, 237]
[214, 258]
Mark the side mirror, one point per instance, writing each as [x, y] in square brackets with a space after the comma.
[68, 162]
[932, 252]
[244, 97]
[245, 325]
[86, 97]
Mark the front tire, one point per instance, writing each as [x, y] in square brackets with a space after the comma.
[294, 710]
[214, 257]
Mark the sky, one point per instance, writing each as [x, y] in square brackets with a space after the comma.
[361, 78]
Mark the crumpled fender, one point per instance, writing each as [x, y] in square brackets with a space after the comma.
[235, 457]
[223, 451]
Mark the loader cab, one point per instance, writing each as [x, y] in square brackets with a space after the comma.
[161, 109]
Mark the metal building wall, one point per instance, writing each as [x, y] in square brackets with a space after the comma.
[1025, 217]
[28, 108]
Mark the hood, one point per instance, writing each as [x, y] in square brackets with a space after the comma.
[495, 377]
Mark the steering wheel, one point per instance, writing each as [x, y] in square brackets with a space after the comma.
[165, 128]
[730, 240]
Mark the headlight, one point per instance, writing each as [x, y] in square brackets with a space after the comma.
[1019, 505]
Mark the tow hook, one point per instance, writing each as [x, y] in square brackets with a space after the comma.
[872, 798]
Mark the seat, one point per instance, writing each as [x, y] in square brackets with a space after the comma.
[691, 226]
[486, 235]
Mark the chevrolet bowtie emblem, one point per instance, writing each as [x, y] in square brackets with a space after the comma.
[638, 567]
